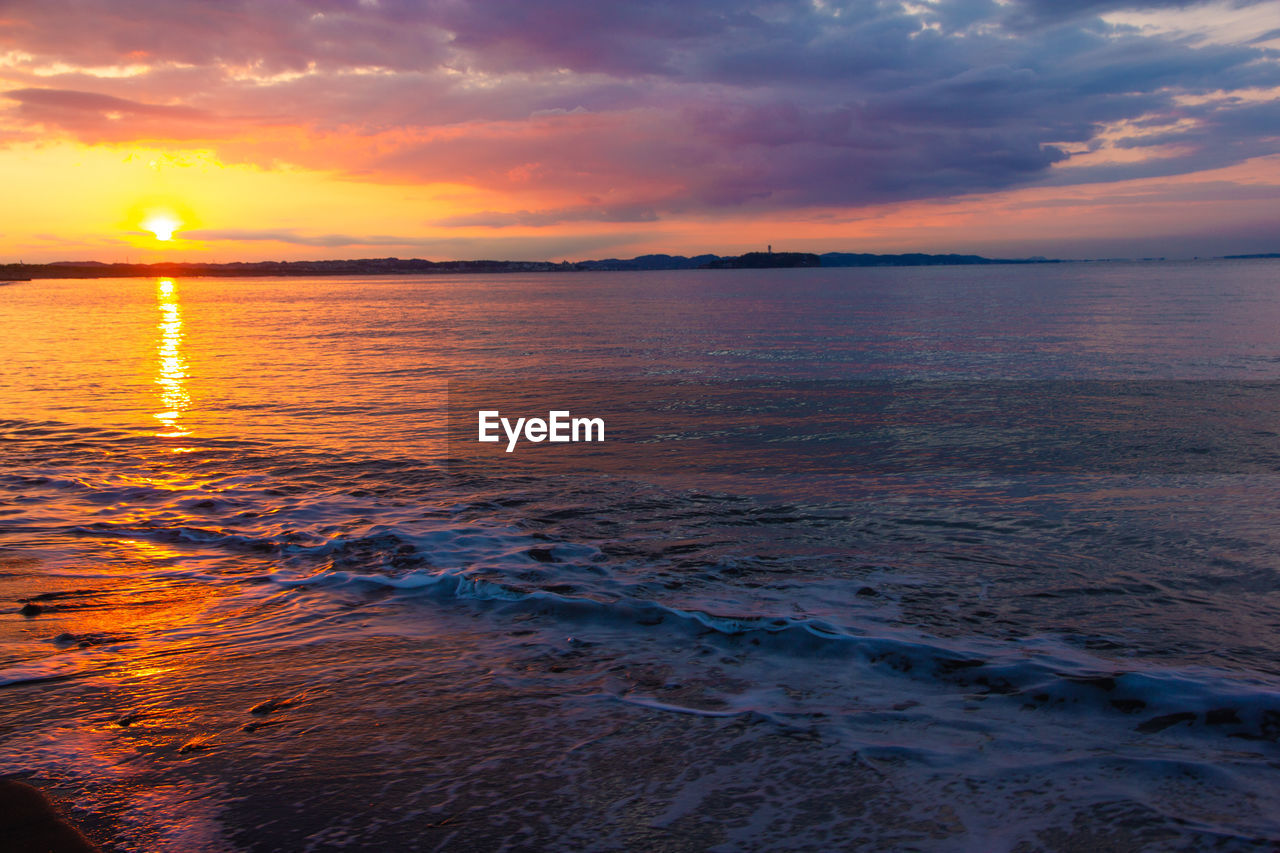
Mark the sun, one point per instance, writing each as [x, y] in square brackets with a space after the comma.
[162, 225]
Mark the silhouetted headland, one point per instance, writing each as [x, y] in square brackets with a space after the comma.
[766, 260]
[417, 266]
[361, 266]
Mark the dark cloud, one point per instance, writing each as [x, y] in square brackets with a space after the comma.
[97, 117]
[66, 100]
[622, 112]
[612, 38]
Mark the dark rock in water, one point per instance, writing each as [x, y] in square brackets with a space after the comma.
[28, 821]
[129, 719]
[30, 609]
[867, 592]
[1128, 706]
[260, 724]
[1222, 717]
[84, 641]
[268, 706]
[542, 555]
[1271, 725]
[66, 593]
[196, 744]
[1102, 682]
[949, 665]
[1159, 724]
[275, 703]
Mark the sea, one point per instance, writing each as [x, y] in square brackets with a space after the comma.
[969, 558]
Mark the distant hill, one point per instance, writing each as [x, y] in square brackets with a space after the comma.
[650, 262]
[765, 261]
[417, 266]
[365, 266]
[915, 259]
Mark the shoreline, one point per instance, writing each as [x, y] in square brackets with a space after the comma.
[391, 267]
[419, 266]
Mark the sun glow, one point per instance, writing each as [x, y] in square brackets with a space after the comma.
[162, 225]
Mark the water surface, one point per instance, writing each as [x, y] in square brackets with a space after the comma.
[936, 558]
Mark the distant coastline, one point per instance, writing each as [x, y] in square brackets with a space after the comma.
[418, 266]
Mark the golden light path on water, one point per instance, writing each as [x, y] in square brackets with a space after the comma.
[171, 373]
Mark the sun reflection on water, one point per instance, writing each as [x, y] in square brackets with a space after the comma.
[171, 373]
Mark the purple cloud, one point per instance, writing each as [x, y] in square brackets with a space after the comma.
[622, 112]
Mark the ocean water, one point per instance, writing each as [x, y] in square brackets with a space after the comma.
[959, 558]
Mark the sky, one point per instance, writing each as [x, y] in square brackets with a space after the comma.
[571, 129]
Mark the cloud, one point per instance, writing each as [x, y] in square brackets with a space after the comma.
[1027, 12]
[540, 218]
[522, 247]
[577, 111]
[553, 247]
[95, 117]
[239, 235]
[72, 102]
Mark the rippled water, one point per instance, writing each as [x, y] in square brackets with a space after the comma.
[941, 558]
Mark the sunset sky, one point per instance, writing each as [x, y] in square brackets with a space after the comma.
[568, 129]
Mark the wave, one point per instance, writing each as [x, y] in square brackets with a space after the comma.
[340, 522]
[513, 571]
[1038, 674]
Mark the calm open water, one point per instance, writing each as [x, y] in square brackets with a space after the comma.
[960, 558]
